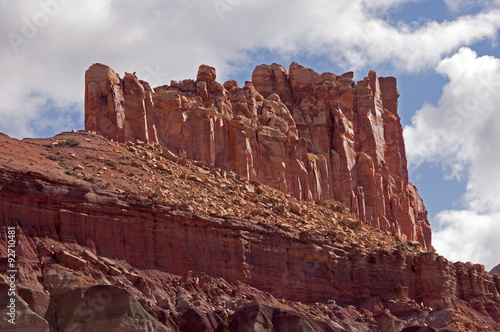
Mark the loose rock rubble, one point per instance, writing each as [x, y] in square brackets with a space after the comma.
[317, 137]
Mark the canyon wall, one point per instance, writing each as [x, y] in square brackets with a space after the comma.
[283, 261]
[314, 136]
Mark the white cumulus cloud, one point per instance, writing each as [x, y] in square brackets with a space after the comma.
[461, 132]
[48, 44]
[465, 235]
[459, 5]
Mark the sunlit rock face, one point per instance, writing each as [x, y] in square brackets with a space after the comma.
[314, 136]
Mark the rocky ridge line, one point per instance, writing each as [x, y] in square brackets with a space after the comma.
[314, 136]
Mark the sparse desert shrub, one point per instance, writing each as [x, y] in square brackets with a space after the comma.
[52, 157]
[111, 163]
[401, 245]
[90, 179]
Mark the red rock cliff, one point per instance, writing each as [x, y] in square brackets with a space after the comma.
[314, 136]
[105, 231]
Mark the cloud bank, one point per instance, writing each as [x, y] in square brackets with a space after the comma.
[456, 6]
[461, 132]
[48, 44]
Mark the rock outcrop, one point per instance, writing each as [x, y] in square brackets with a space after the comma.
[99, 247]
[495, 270]
[314, 136]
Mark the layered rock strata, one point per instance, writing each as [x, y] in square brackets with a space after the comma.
[311, 268]
[388, 285]
[314, 136]
[99, 248]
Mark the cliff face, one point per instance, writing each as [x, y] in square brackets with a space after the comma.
[311, 267]
[113, 235]
[316, 137]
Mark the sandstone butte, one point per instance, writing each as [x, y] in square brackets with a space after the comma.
[315, 137]
[179, 210]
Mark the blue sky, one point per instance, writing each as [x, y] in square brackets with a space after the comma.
[445, 55]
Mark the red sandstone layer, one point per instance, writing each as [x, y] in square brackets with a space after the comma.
[78, 199]
[314, 136]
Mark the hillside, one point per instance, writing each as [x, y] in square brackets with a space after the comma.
[137, 234]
